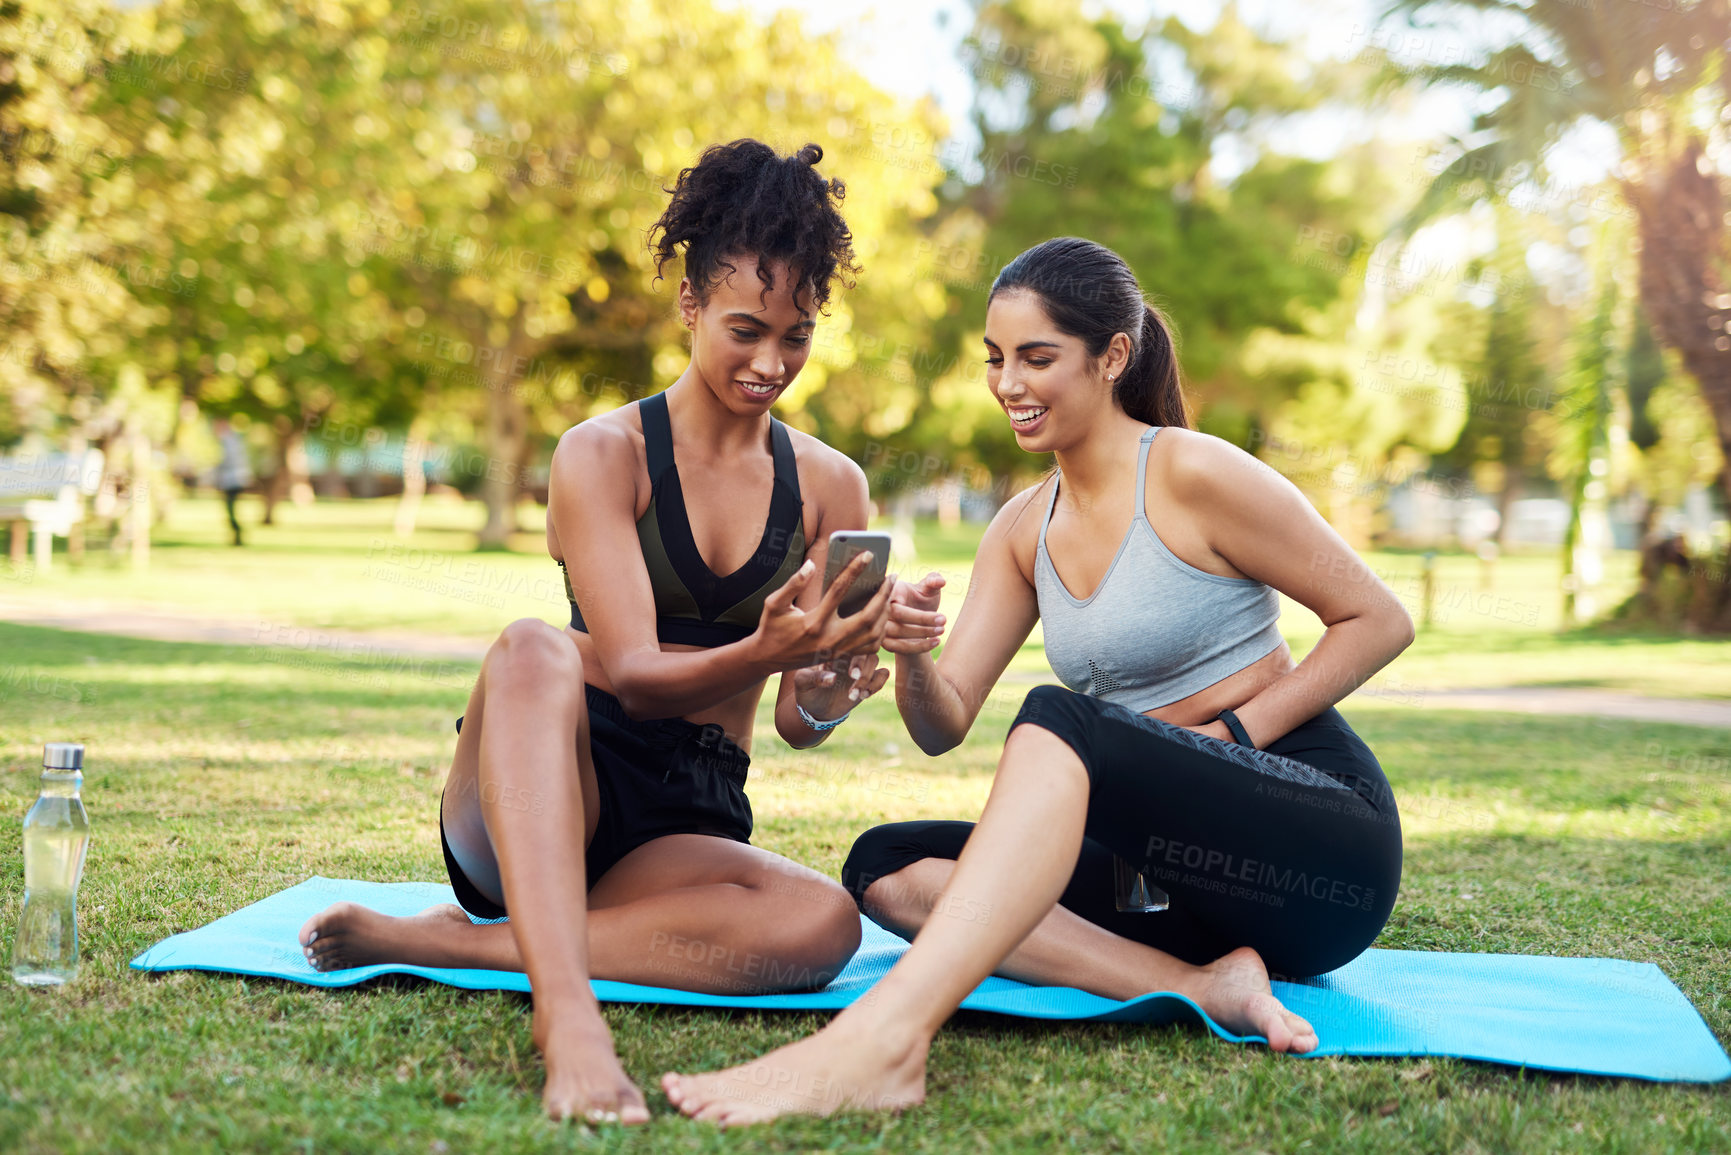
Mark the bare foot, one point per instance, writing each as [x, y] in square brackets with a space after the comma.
[346, 934]
[1235, 992]
[584, 1078]
[861, 1067]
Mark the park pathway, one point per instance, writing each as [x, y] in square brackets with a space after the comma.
[167, 626]
[1583, 700]
[159, 625]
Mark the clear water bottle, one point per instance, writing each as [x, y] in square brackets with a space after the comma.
[56, 836]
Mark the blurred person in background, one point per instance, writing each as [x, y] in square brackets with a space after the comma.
[233, 471]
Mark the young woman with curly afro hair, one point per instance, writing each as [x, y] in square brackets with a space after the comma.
[597, 789]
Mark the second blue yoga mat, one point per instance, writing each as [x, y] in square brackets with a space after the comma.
[1592, 1016]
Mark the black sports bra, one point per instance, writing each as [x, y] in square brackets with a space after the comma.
[694, 606]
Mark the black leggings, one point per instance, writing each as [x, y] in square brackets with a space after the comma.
[1294, 850]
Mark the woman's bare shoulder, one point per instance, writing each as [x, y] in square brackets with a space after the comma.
[1195, 465]
[608, 440]
[599, 462]
[1016, 525]
[601, 458]
[832, 472]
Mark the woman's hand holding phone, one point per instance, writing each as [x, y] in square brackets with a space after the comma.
[790, 638]
[915, 625]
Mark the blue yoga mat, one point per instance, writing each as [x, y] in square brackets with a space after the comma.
[1593, 1016]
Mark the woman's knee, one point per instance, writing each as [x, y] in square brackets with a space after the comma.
[817, 930]
[529, 651]
[875, 853]
[1063, 713]
[835, 936]
[892, 847]
[902, 901]
[1046, 705]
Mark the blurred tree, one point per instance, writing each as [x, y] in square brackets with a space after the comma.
[69, 209]
[1644, 366]
[1656, 77]
[353, 215]
[1584, 460]
[1172, 147]
[270, 126]
[558, 126]
[1643, 374]
[1504, 374]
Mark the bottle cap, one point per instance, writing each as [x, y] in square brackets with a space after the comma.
[63, 756]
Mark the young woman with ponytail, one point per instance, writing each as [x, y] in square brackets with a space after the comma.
[1185, 743]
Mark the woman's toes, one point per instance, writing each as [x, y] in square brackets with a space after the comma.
[689, 1104]
[1285, 1031]
[685, 1093]
[326, 954]
[325, 925]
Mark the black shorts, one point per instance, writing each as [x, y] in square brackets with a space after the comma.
[658, 777]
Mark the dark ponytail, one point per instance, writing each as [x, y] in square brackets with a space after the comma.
[1091, 294]
[1149, 389]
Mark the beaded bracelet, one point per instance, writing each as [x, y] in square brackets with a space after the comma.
[815, 724]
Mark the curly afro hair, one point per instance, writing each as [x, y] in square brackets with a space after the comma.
[745, 198]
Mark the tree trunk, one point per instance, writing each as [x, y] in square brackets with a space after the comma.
[1511, 493]
[1680, 212]
[1710, 595]
[290, 481]
[507, 440]
[275, 487]
[1647, 590]
[1720, 620]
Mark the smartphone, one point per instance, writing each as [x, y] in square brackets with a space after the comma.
[843, 545]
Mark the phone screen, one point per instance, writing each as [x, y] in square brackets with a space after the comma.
[843, 546]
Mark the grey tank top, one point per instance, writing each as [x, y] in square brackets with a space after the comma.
[1156, 629]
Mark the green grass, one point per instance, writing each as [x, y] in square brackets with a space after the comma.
[217, 776]
[334, 564]
[337, 565]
